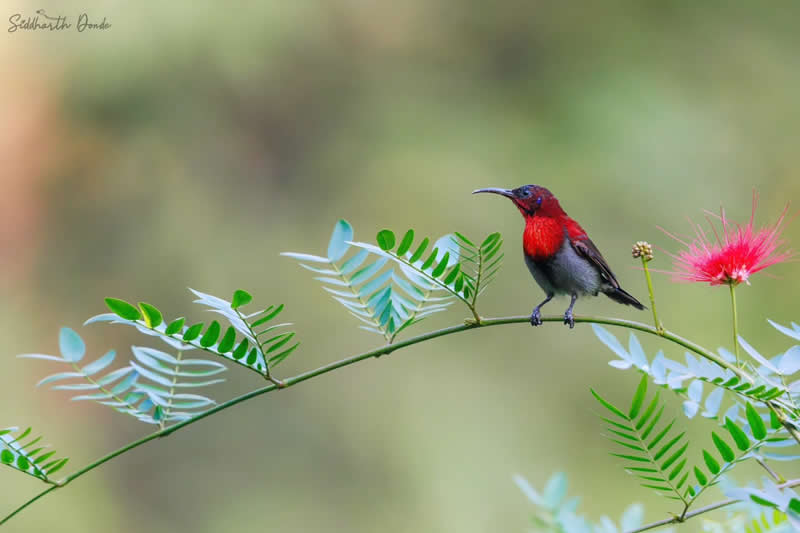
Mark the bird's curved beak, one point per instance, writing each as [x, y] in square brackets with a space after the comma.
[502, 192]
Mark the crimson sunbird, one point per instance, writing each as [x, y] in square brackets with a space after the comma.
[559, 254]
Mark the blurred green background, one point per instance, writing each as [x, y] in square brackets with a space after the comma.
[192, 142]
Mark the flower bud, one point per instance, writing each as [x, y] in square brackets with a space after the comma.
[644, 250]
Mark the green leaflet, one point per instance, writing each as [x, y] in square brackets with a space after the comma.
[711, 462]
[405, 244]
[211, 335]
[385, 239]
[739, 436]
[123, 309]
[18, 452]
[175, 326]
[152, 316]
[240, 298]
[192, 332]
[757, 425]
[722, 447]
[638, 398]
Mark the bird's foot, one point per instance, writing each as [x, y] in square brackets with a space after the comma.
[569, 319]
[536, 317]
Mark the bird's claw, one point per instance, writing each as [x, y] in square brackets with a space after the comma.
[569, 319]
[536, 317]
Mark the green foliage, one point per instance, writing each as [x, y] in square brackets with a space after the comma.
[385, 300]
[481, 264]
[687, 380]
[388, 299]
[24, 453]
[657, 455]
[651, 453]
[240, 298]
[123, 309]
[443, 265]
[259, 346]
[152, 316]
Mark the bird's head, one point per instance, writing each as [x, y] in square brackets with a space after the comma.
[530, 200]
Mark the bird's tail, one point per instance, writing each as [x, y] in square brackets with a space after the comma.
[619, 295]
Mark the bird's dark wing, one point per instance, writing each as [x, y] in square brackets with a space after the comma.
[586, 249]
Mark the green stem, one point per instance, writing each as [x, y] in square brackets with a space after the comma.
[735, 323]
[383, 350]
[656, 322]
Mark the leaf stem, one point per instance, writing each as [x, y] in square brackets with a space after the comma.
[103, 389]
[774, 475]
[735, 323]
[168, 409]
[714, 479]
[656, 322]
[384, 350]
[255, 344]
[389, 338]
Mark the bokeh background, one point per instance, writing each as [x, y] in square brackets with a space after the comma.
[191, 142]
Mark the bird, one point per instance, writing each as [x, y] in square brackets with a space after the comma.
[559, 254]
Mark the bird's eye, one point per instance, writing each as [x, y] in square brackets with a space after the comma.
[526, 192]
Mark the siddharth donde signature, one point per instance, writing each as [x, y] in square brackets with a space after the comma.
[43, 21]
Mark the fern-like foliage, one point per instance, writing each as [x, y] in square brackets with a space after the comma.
[652, 451]
[385, 300]
[249, 340]
[115, 388]
[687, 379]
[436, 268]
[24, 453]
[480, 264]
[147, 388]
[398, 282]
[657, 455]
[162, 375]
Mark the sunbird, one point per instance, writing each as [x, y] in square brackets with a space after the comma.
[559, 254]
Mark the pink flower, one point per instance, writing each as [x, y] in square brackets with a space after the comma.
[734, 255]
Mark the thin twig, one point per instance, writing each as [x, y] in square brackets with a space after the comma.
[384, 350]
[703, 510]
[774, 475]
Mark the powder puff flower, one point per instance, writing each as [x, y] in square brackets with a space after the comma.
[734, 255]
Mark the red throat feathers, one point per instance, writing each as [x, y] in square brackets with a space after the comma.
[544, 235]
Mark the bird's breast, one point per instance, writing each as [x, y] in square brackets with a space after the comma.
[543, 237]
